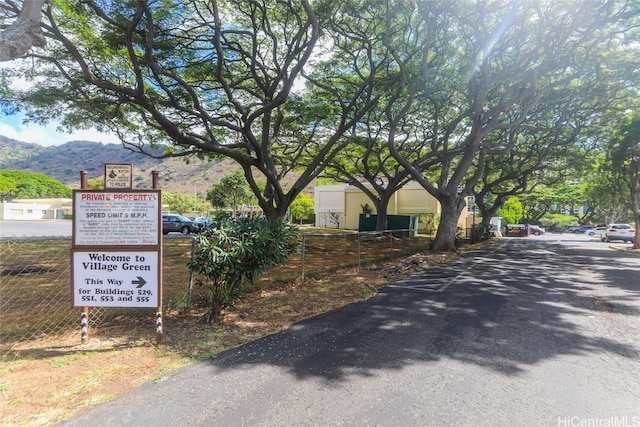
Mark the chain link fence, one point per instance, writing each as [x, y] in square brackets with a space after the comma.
[35, 276]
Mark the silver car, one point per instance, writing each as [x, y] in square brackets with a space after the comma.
[597, 230]
[624, 232]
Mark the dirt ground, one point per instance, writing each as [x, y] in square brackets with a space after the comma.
[46, 381]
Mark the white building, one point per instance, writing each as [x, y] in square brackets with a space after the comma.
[340, 206]
[36, 209]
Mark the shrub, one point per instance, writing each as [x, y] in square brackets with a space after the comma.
[229, 258]
[481, 232]
[557, 222]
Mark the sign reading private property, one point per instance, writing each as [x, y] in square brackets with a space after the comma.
[116, 217]
[116, 255]
[115, 279]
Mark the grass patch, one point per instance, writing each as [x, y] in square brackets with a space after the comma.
[122, 354]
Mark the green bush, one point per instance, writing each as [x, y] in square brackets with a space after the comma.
[558, 222]
[229, 258]
[481, 232]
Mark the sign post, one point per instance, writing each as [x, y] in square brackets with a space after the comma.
[116, 253]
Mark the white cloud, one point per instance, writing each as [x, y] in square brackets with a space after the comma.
[48, 135]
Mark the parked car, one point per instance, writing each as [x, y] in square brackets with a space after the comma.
[624, 232]
[536, 230]
[202, 222]
[172, 223]
[596, 231]
[583, 229]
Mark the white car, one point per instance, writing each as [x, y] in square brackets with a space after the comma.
[624, 232]
[596, 231]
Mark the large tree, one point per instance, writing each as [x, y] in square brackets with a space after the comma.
[601, 195]
[230, 192]
[30, 185]
[380, 43]
[623, 167]
[208, 77]
[23, 33]
[215, 79]
[521, 161]
[503, 65]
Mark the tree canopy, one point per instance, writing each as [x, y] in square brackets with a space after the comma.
[209, 78]
[623, 166]
[231, 192]
[15, 184]
[444, 92]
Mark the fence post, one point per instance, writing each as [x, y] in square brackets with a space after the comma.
[84, 314]
[303, 245]
[358, 236]
[155, 181]
[189, 291]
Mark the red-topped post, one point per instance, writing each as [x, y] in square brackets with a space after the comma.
[159, 331]
[84, 315]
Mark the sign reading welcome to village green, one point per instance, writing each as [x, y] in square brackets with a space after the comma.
[116, 252]
[115, 279]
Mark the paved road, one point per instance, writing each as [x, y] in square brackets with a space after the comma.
[48, 228]
[41, 228]
[533, 332]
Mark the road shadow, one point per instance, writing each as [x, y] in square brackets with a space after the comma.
[515, 305]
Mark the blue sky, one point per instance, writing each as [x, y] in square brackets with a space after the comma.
[12, 127]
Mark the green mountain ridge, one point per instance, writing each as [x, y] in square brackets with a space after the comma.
[64, 163]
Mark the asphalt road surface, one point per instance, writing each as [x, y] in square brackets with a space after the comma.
[530, 332]
[43, 228]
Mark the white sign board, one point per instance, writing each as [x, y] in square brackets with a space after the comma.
[116, 218]
[115, 279]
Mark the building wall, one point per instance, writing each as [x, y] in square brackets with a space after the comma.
[414, 199]
[330, 206]
[354, 200]
[340, 206]
[36, 209]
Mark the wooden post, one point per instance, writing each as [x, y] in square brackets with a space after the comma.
[303, 247]
[190, 290]
[358, 236]
[159, 329]
[84, 315]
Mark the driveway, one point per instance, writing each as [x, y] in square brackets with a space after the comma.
[527, 332]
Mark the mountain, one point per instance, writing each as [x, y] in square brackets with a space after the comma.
[64, 163]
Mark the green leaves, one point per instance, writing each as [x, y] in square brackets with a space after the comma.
[232, 191]
[31, 185]
[229, 258]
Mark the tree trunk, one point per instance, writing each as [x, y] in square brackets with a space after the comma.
[634, 190]
[24, 32]
[381, 211]
[445, 240]
[636, 215]
[381, 220]
[274, 212]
